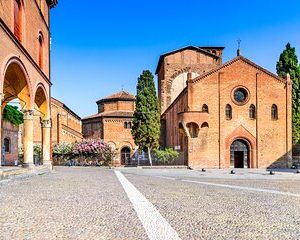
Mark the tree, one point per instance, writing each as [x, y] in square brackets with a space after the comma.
[13, 115]
[288, 64]
[146, 118]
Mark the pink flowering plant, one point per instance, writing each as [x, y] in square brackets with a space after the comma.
[95, 151]
[87, 152]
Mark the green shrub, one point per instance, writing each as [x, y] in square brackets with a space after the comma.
[166, 156]
[13, 115]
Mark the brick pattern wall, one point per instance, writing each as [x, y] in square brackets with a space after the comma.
[35, 20]
[176, 64]
[10, 132]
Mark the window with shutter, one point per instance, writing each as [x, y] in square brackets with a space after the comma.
[41, 52]
[18, 19]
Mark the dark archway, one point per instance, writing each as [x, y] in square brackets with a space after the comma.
[240, 154]
[125, 156]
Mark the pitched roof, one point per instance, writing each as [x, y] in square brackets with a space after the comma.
[122, 95]
[198, 49]
[235, 60]
[56, 101]
[116, 114]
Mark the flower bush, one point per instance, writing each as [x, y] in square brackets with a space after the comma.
[84, 153]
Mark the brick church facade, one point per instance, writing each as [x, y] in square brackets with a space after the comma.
[218, 115]
[113, 124]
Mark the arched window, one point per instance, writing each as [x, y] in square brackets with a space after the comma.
[205, 125]
[205, 108]
[274, 112]
[214, 52]
[6, 143]
[125, 125]
[252, 112]
[228, 112]
[41, 50]
[193, 129]
[18, 19]
[130, 125]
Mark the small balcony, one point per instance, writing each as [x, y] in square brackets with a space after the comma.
[193, 116]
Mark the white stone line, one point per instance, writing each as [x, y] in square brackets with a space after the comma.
[244, 188]
[157, 228]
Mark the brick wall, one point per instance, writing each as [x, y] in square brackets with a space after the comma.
[175, 64]
[10, 132]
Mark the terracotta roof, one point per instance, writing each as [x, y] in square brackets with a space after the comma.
[122, 95]
[235, 60]
[199, 49]
[56, 101]
[116, 114]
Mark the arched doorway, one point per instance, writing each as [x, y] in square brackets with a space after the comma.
[125, 156]
[240, 154]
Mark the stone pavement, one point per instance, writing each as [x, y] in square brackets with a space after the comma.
[90, 203]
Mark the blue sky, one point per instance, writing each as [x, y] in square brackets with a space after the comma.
[100, 47]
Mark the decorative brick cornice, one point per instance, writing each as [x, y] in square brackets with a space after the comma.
[234, 61]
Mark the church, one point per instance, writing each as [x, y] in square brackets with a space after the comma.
[224, 115]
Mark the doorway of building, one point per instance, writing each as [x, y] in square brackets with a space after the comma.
[240, 154]
[125, 156]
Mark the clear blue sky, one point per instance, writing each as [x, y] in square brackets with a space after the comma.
[100, 46]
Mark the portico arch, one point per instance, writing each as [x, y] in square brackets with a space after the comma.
[42, 111]
[16, 84]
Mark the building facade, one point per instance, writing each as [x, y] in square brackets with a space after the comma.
[66, 125]
[217, 115]
[25, 66]
[113, 124]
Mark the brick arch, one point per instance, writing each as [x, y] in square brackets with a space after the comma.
[183, 70]
[243, 134]
[12, 59]
[42, 104]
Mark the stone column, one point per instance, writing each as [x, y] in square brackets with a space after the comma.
[28, 138]
[46, 128]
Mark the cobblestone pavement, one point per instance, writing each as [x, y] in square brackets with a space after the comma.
[199, 211]
[90, 203]
[71, 203]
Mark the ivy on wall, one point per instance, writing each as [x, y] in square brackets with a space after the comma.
[13, 115]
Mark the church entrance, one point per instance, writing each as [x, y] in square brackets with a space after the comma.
[125, 156]
[240, 154]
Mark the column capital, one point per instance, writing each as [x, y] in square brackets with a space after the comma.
[28, 114]
[46, 123]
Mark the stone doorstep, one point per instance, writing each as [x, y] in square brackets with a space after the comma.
[19, 172]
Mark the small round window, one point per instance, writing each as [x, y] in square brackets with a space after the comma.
[240, 95]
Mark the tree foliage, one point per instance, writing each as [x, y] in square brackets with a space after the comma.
[146, 119]
[288, 64]
[13, 115]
